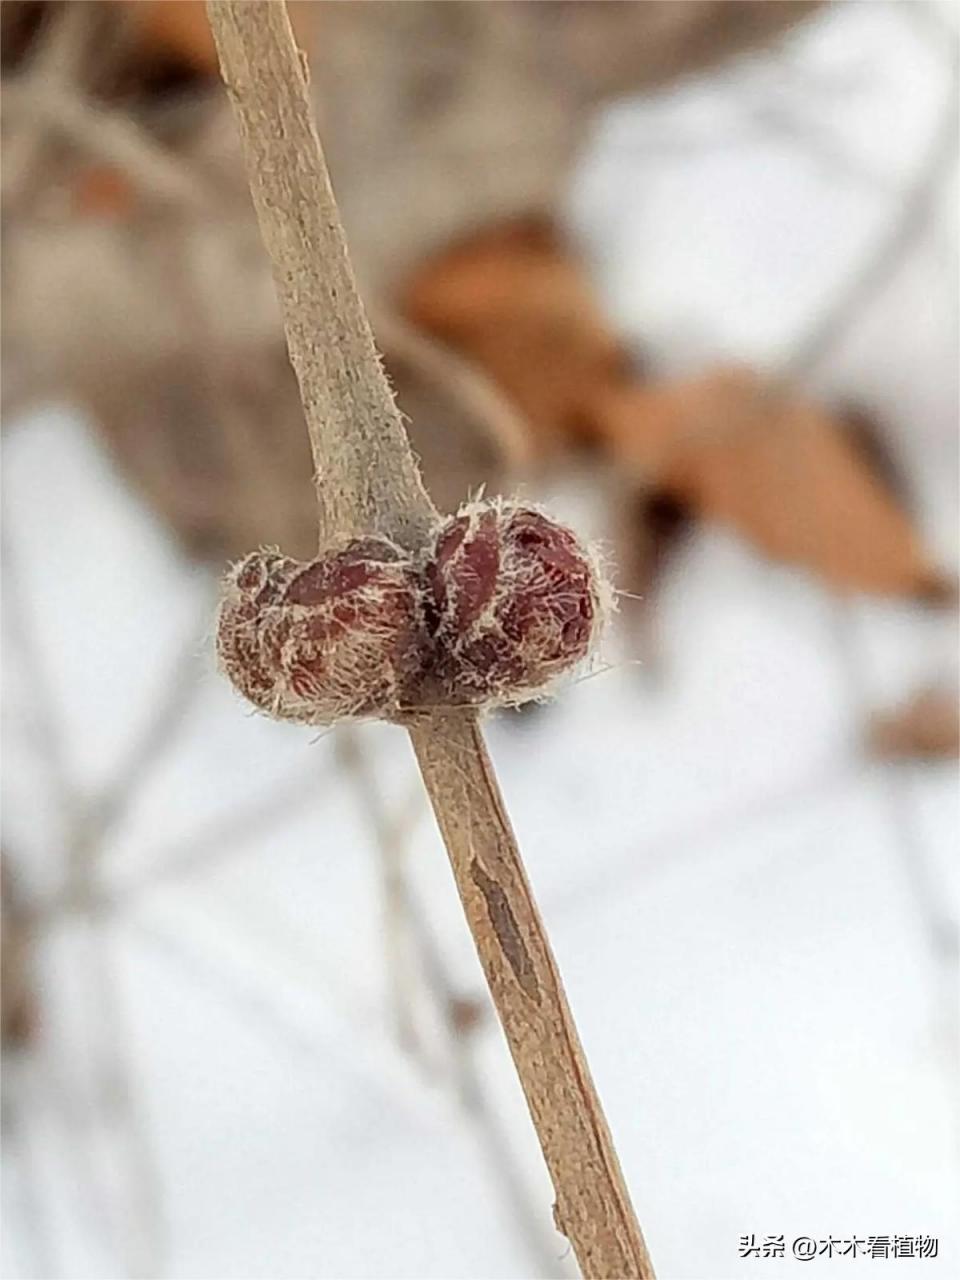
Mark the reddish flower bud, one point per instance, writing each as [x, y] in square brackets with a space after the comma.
[515, 601]
[504, 602]
[336, 638]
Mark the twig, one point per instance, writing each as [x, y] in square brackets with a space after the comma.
[252, 995]
[392, 834]
[140, 1227]
[593, 1208]
[829, 328]
[108, 137]
[881, 262]
[211, 845]
[368, 481]
[27, 1206]
[219, 839]
[42, 1087]
[93, 820]
[366, 476]
[43, 720]
[88, 825]
[57, 62]
[389, 838]
[454, 376]
[166, 719]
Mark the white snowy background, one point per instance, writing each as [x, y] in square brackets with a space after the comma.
[756, 925]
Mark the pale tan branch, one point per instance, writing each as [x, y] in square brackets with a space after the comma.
[368, 481]
[593, 1206]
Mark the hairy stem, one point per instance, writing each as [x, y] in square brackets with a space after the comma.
[368, 481]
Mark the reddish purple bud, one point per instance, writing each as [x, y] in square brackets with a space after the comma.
[503, 603]
[336, 638]
[516, 601]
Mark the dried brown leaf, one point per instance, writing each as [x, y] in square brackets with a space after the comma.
[925, 727]
[777, 469]
[515, 300]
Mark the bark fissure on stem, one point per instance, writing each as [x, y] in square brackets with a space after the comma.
[368, 481]
[504, 925]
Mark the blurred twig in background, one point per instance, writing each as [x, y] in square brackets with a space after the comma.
[910, 217]
[458, 1012]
